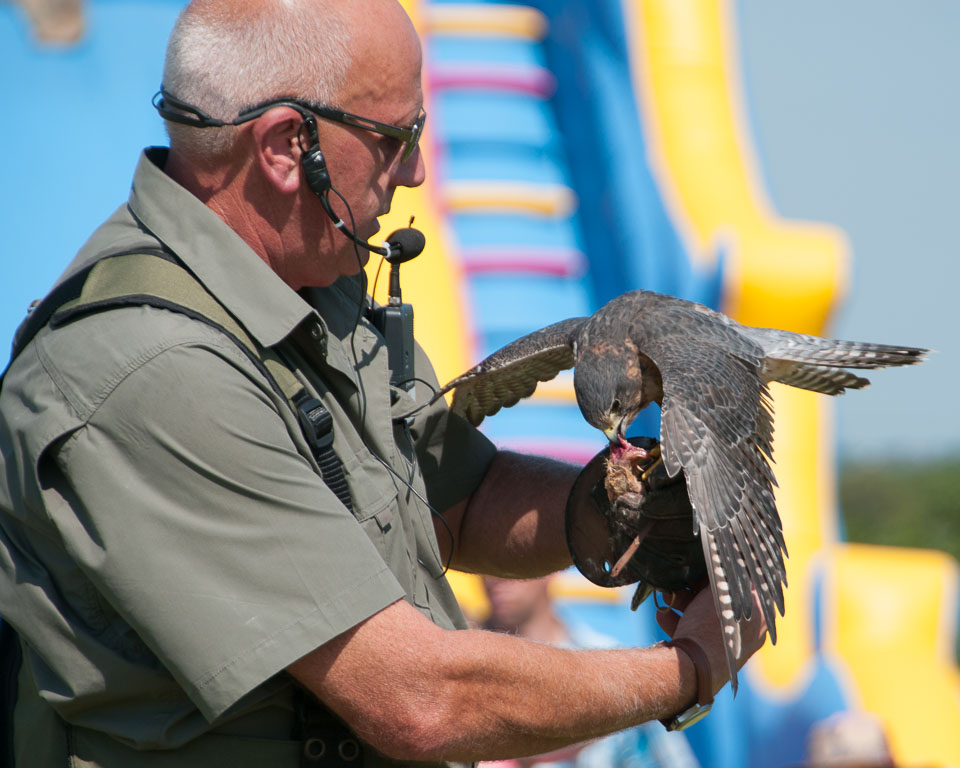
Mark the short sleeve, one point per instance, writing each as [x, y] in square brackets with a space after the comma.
[453, 454]
[193, 514]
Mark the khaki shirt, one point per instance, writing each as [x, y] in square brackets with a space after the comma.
[166, 548]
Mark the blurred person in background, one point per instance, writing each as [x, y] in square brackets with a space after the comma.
[849, 739]
[55, 22]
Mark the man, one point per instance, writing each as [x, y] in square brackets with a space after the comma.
[186, 588]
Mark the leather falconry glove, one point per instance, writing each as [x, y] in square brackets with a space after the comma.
[628, 522]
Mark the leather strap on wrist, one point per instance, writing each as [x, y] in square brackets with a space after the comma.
[701, 664]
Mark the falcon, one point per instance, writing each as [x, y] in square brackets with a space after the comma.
[710, 377]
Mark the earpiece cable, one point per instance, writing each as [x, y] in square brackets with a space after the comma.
[360, 306]
[362, 397]
[427, 504]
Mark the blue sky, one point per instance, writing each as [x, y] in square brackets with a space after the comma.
[855, 112]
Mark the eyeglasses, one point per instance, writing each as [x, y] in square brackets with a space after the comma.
[187, 114]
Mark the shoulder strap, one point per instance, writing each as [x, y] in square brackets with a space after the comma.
[9, 670]
[156, 278]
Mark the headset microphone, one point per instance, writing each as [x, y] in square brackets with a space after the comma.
[400, 246]
[395, 320]
[403, 245]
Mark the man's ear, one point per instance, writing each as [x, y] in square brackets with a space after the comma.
[277, 148]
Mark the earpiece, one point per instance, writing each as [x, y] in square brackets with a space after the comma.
[314, 165]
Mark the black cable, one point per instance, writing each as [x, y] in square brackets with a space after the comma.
[376, 277]
[420, 407]
[427, 504]
[433, 511]
[360, 306]
[430, 386]
[363, 397]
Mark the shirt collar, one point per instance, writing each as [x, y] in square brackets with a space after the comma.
[243, 282]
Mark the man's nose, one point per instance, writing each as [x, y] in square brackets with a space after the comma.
[412, 172]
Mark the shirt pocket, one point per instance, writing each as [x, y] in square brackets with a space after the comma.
[375, 503]
[428, 548]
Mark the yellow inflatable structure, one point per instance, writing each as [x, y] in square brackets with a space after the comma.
[886, 607]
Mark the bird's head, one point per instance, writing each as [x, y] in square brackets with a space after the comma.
[609, 388]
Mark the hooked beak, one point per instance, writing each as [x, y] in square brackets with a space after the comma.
[618, 443]
[614, 430]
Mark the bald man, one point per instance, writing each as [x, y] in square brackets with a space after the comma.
[186, 585]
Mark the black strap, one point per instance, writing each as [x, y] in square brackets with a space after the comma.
[41, 312]
[315, 420]
[10, 659]
[326, 739]
[317, 425]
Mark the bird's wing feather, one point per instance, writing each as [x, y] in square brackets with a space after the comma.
[513, 372]
[717, 425]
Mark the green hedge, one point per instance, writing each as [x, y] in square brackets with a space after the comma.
[914, 504]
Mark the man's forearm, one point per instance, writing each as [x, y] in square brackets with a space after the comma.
[509, 697]
[479, 695]
[513, 524]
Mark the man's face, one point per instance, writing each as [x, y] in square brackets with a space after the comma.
[365, 167]
[514, 601]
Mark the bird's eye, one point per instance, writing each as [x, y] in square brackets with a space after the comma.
[615, 407]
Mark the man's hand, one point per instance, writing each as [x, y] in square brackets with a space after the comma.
[693, 615]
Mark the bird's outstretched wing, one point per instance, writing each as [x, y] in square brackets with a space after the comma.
[513, 372]
[717, 425]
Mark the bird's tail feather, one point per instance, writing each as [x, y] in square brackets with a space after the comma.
[817, 364]
[814, 350]
[823, 379]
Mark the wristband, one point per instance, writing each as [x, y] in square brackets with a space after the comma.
[704, 702]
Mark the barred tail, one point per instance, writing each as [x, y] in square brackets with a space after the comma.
[822, 379]
[817, 364]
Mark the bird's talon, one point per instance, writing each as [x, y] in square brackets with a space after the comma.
[649, 470]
